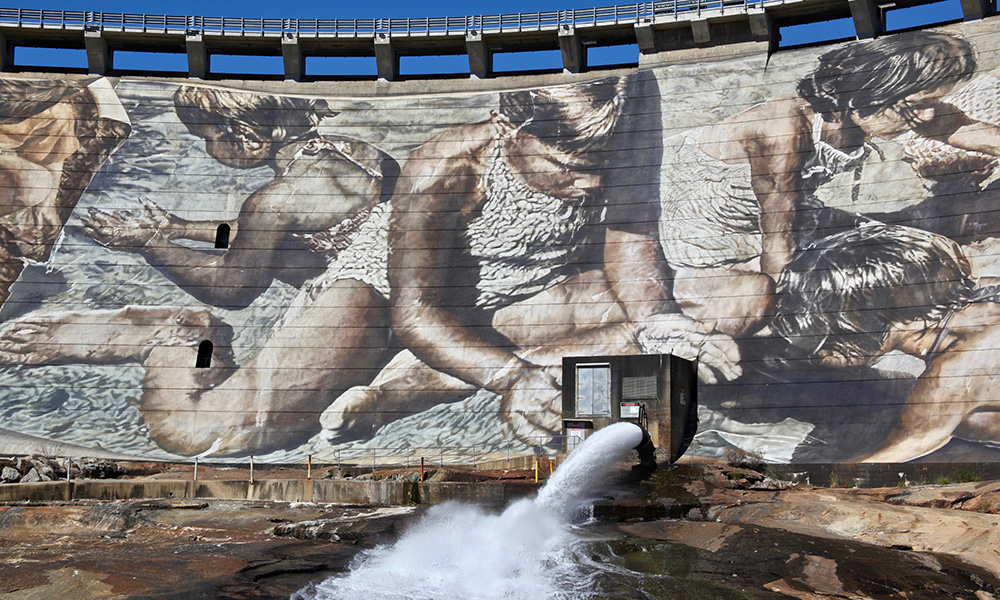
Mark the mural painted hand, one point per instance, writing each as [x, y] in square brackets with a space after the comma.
[61, 337]
[20, 344]
[108, 336]
[717, 353]
[531, 408]
[128, 228]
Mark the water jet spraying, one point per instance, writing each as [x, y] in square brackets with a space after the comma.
[457, 551]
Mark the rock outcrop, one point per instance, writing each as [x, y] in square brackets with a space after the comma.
[32, 469]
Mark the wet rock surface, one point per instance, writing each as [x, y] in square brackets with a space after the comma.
[687, 532]
[746, 560]
[179, 549]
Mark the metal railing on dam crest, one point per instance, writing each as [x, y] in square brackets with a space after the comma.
[643, 12]
[653, 27]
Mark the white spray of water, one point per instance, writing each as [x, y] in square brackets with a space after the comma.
[461, 552]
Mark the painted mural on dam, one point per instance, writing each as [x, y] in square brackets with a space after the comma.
[192, 269]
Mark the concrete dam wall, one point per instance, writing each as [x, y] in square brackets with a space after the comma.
[290, 269]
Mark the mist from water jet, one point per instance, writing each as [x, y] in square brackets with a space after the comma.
[462, 552]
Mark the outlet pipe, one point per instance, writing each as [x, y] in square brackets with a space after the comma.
[647, 451]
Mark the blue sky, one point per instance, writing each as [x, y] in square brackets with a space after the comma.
[944, 10]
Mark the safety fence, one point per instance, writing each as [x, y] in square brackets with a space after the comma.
[500, 455]
[474, 455]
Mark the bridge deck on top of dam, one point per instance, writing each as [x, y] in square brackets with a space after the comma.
[652, 26]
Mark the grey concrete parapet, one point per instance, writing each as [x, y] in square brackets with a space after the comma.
[496, 493]
[128, 489]
[46, 491]
[380, 493]
[218, 489]
[335, 491]
[288, 490]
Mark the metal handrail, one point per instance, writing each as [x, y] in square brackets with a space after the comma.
[643, 12]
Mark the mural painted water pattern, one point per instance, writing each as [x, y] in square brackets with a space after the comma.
[818, 228]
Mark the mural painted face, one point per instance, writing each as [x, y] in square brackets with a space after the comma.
[916, 111]
[54, 135]
[235, 144]
[411, 271]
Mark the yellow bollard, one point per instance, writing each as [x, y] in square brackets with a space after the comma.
[536, 470]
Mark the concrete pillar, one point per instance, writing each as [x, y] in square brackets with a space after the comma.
[386, 60]
[975, 9]
[291, 54]
[867, 20]
[5, 53]
[197, 55]
[480, 60]
[702, 32]
[645, 37]
[574, 55]
[98, 55]
[761, 26]
[763, 30]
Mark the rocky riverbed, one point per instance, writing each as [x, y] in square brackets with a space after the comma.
[725, 540]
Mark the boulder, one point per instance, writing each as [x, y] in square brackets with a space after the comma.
[94, 468]
[32, 476]
[45, 468]
[10, 475]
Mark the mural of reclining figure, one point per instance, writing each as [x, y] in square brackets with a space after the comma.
[320, 183]
[735, 195]
[54, 136]
[334, 341]
[850, 298]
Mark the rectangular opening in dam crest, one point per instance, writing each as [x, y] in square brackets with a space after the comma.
[58, 58]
